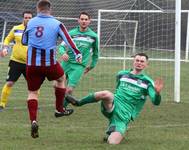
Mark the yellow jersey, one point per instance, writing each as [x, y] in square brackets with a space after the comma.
[19, 51]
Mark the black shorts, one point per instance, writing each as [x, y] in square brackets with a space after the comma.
[15, 69]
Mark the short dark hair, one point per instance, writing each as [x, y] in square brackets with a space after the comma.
[27, 12]
[141, 54]
[44, 5]
[84, 13]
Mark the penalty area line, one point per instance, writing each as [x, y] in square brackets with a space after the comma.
[162, 126]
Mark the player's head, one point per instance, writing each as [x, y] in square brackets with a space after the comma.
[140, 61]
[44, 6]
[27, 15]
[84, 20]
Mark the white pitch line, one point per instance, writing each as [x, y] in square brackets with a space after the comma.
[25, 107]
[51, 105]
[148, 126]
[94, 127]
[162, 126]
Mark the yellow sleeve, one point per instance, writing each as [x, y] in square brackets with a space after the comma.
[9, 38]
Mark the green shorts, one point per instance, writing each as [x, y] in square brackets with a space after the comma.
[73, 73]
[116, 118]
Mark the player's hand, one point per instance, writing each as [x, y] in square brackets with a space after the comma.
[64, 57]
[158, 85]
[87, 69]
[4, 52]
[78, 58]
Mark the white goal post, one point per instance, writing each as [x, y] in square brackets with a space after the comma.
[187, 35]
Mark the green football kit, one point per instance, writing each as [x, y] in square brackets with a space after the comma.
[129, 98]
[87, 43]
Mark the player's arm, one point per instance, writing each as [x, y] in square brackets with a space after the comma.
[4, 51]
[154, 91]
[95, 56]
[118, 76]
[67, 39]
[62, 48]
[9, 38]
[62, 52]
[25, 37]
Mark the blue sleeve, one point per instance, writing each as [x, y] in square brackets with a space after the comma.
[25, 37]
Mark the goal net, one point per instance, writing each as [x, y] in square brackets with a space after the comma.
[148, 31]
[128, 27]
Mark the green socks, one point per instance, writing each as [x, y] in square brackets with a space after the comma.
[88, 99]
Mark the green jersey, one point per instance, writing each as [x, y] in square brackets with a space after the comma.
[86, 42]
[131, 92]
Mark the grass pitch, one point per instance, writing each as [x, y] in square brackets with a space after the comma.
[165, 127]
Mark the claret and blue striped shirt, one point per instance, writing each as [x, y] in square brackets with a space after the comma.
[41, 36]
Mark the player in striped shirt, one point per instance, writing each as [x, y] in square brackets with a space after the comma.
[17, 63]
[133, 87]
[41, 35]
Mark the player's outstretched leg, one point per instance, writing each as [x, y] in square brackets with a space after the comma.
[34, 130]
[85, 100]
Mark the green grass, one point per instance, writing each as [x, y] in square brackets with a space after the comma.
[158, 128]
[163, 128]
